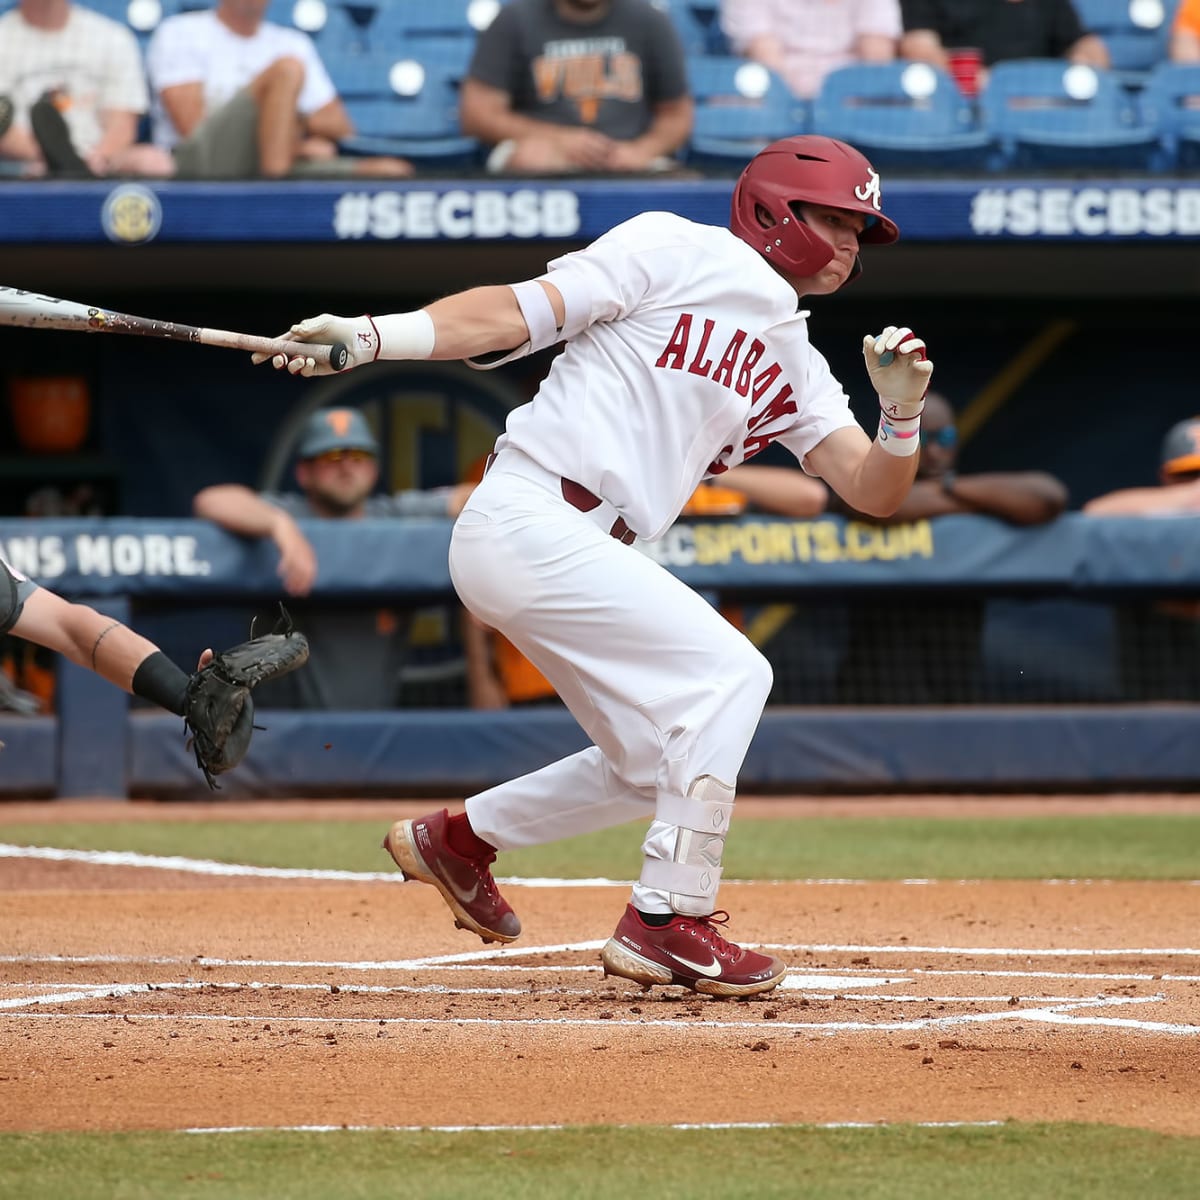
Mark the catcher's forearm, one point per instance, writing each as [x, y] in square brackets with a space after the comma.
[88, 638]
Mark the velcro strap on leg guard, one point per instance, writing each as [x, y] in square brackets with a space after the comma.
[693, 887]
[692, 812]
[693, 874]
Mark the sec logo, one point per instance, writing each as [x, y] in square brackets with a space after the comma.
[131, 214]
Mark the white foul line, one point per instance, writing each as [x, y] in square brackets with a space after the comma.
[568, 1128]
[203, 866]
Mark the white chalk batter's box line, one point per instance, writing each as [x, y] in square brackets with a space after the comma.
[444, 964]
[1050, 1010]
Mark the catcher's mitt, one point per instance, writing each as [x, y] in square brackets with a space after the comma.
[219, 712]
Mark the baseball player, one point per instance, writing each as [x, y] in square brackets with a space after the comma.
[214, 701]
[685, 355]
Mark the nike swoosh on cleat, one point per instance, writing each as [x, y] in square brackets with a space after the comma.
[463, 897]
[711, 969]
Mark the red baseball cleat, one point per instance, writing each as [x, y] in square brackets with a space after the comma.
[689, 952]
[421, 851]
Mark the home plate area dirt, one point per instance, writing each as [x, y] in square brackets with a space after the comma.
[149, 999]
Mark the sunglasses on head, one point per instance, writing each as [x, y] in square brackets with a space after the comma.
[946, 437]
[337, 456]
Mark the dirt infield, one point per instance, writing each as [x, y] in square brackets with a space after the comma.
[149, 999]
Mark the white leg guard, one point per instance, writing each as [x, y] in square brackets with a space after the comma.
[690, 829]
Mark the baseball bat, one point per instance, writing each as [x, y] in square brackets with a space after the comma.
[29, 310]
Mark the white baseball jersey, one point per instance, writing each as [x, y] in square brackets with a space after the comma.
[691, 360]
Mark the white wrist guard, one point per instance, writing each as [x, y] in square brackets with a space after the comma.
[405, 335]
[900, 426]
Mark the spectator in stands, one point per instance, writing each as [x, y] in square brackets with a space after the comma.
[500, 676]
[1020, 498]
[803, 40]
[239, 97]
[76, 90]
[1159, 640]
[356, 655]
[565, 86]
[1178, 490]
[937, 30]
[929, 650]
[1185, 33]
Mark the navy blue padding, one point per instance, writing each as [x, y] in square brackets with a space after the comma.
[795, 748]
[194, 561]
[346, 753]
[29, 760]
[977, 748]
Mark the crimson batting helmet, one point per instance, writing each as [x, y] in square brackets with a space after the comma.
[805, 170]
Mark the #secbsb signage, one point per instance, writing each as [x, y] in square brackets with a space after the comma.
[1086, 211]
[995, 209]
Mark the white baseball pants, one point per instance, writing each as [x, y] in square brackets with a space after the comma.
[664, 686]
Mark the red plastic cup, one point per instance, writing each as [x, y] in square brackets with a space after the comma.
[965, 65]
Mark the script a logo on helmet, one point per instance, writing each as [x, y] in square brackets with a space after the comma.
[870, 190]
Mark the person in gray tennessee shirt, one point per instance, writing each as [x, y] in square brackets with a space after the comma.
[357, 652]
[565, 86]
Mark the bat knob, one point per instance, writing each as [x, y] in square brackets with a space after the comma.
[339, 356]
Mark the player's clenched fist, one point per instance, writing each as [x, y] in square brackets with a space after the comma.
[897, 364]
[357, 334]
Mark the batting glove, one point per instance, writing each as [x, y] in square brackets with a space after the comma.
[898, 369]
[357, 334]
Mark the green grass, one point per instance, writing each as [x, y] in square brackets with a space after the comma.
[895, 1163]
[1108, 846]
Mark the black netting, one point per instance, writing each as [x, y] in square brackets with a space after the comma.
[968, 649]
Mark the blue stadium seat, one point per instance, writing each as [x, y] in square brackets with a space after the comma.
[698, 24]
[1048, 113]
[740, 107]
[1135, 31]
[330, 25]
[145, 16]
[448, 53]
[399, 23]
[405, 107]
[901, 114]
[109, 8]
[1171, 104]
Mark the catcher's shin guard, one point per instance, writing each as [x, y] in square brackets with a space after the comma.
[692, 874]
